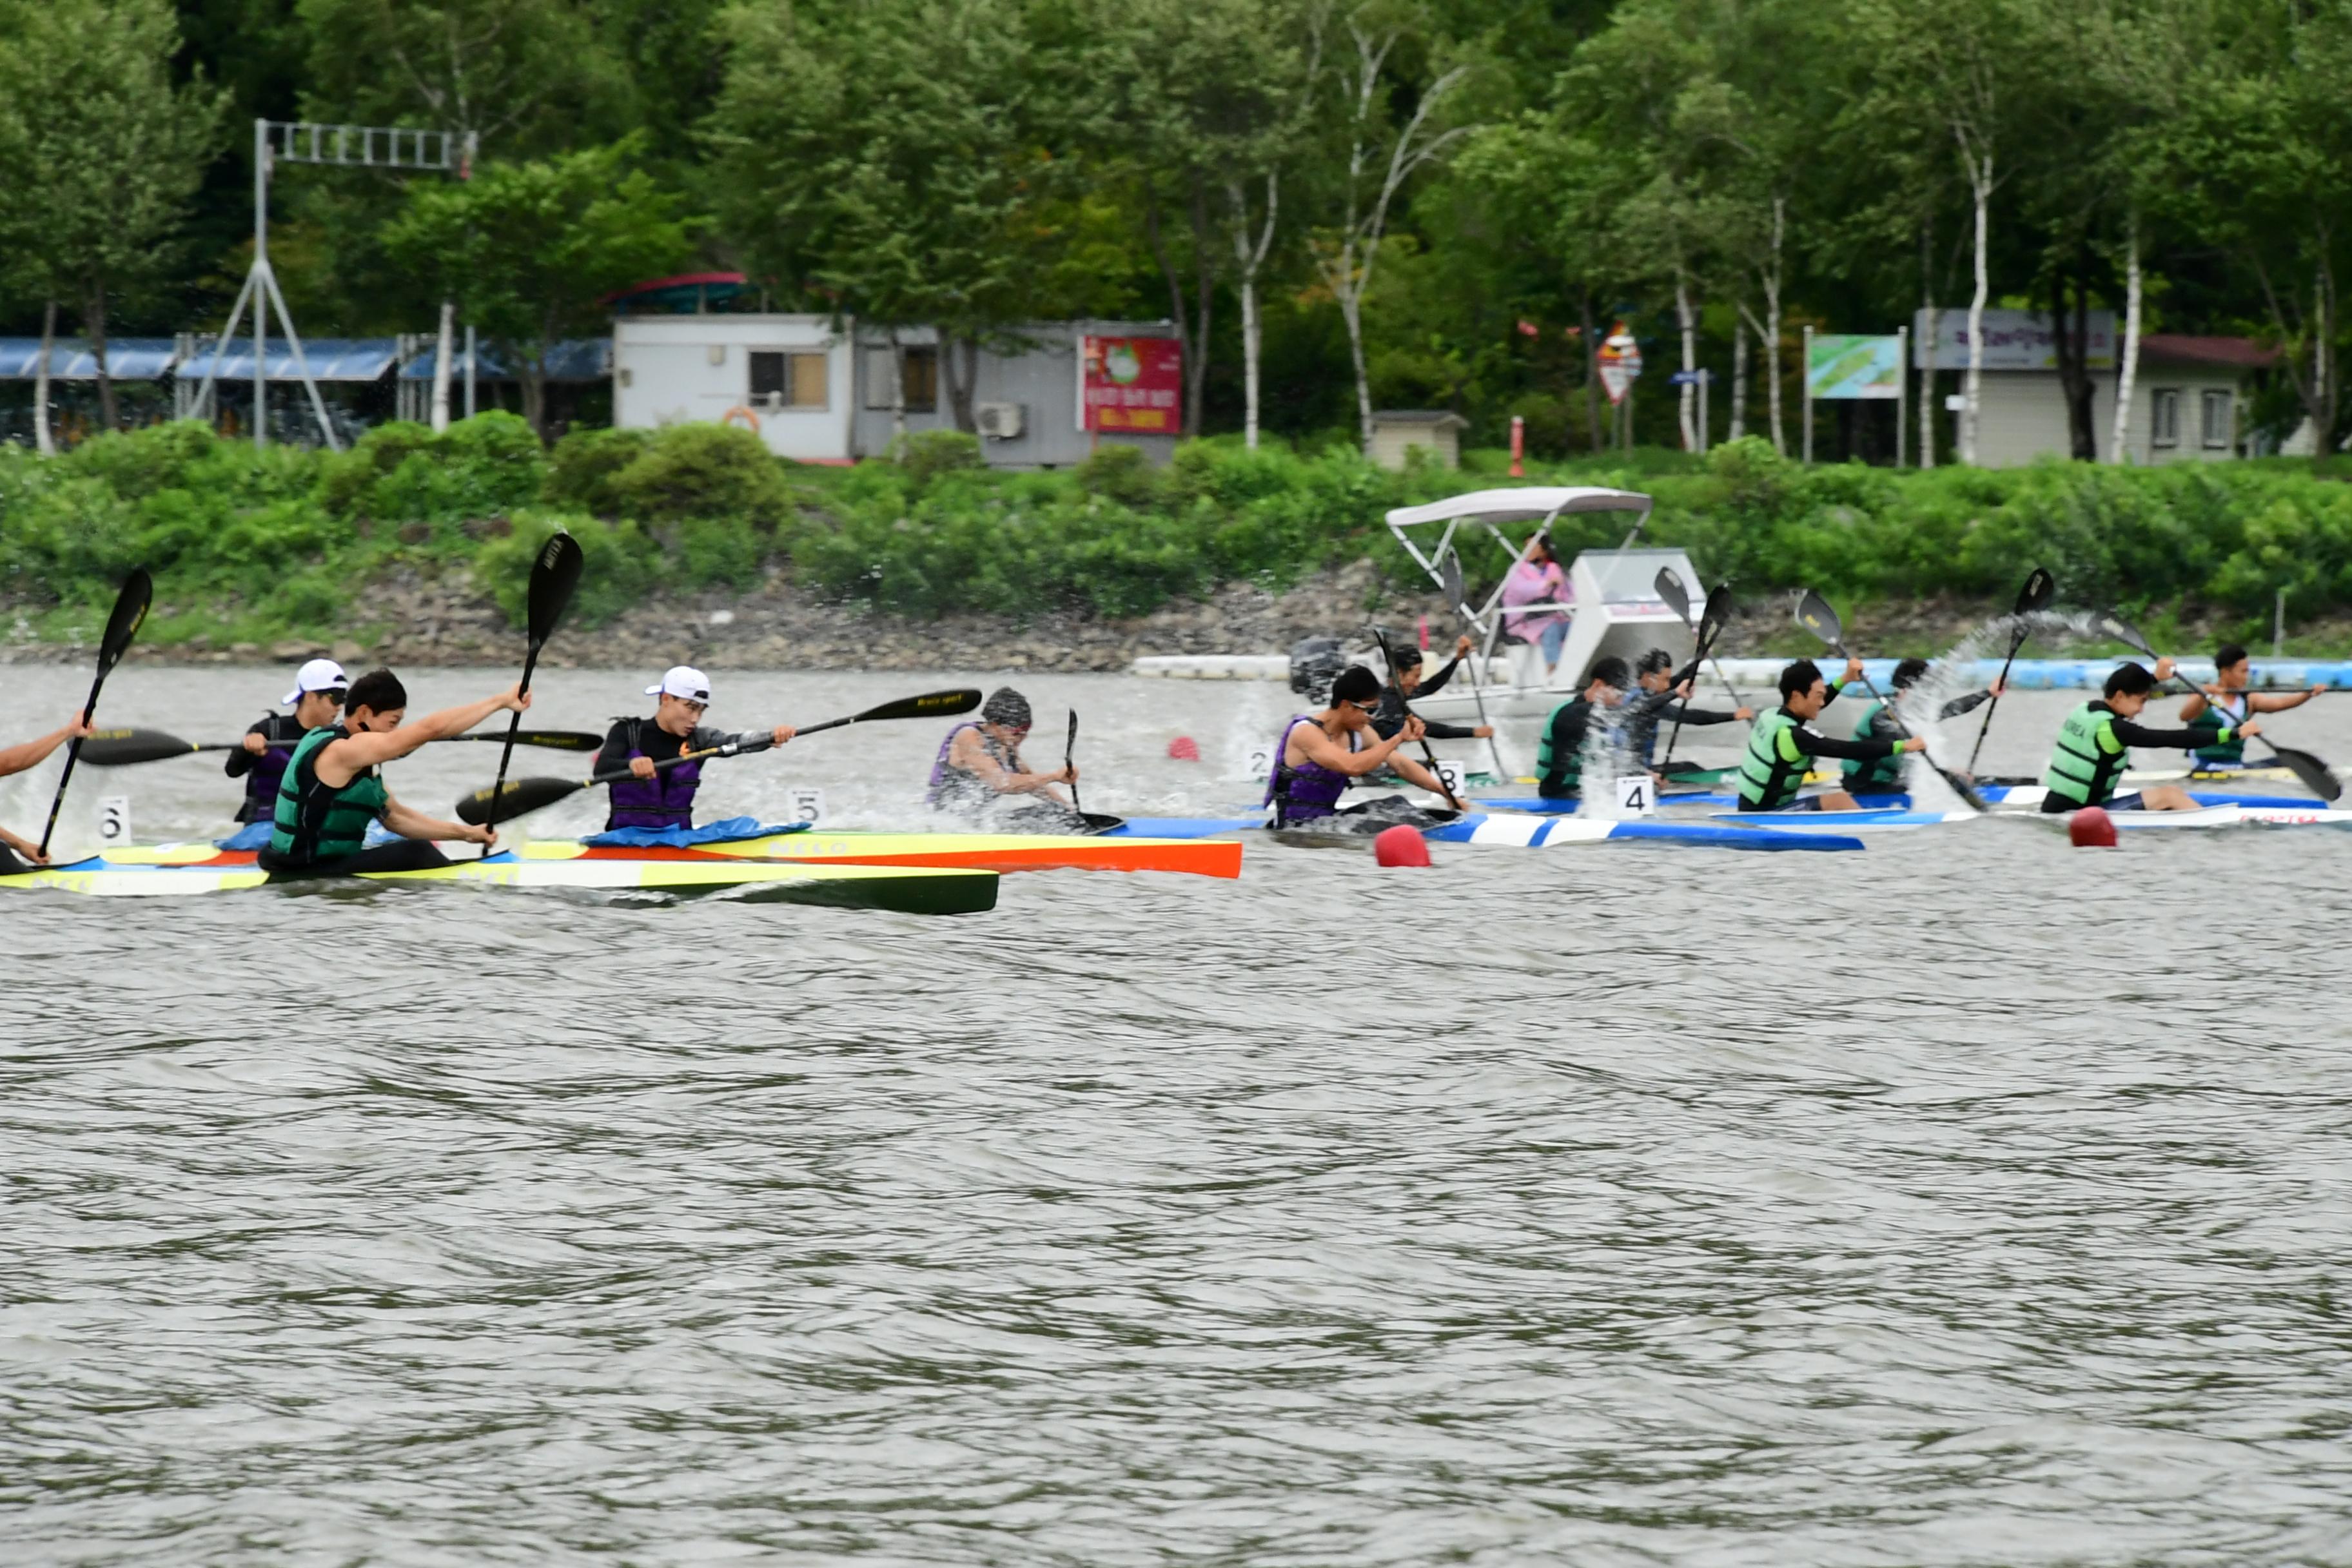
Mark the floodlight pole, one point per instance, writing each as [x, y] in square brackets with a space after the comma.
[451, 152]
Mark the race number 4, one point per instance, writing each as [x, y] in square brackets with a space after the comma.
[1633, 796]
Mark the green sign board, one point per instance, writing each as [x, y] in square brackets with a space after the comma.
[1841, 365]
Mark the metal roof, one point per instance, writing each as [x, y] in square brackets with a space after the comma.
[1521, 501]
[70, 359]
[574, 359]
[329, 359]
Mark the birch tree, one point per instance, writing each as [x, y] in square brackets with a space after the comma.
[1378, 152]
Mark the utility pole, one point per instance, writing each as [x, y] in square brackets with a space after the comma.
[307, 142]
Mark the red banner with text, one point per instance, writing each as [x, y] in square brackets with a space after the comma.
[1130, 384]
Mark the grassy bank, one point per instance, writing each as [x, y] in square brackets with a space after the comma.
[250, 546]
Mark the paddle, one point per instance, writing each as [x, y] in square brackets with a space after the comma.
[1069, 745]
[2035, 595]
[1711, 622]
[552, 577]
[1813, 613]
[526, 795]
[129, 609]
[1427, 757]
[2315, 775]
[1450, 571]
[1669, 585]
[122, 748]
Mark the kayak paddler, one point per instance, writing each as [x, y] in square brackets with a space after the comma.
[260, 762]
[1321, 755]
[2094, 742]
[32, 754]
[980, 763]
[1884, 776]
[1559, 753]
[2231, 702]
[1410, 685]
[1782, 746]
[664, 797]
[331, 790]
[1661, 699]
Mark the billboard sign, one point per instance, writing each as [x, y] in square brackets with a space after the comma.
[1839, 365]
[1132, 385]
[2013, 340]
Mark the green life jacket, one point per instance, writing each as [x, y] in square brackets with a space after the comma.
[1774, 769]
[1879, 776]
[313, 821]
[2229, 750]
[1571, 768]
[2089, 757]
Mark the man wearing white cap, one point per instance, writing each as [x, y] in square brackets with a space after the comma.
[317, 697]
[664, 797]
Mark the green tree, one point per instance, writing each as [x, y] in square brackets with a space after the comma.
[892, 160]
[99, 153]
[530, 251]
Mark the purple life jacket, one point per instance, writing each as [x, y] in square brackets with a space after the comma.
[1308, 791]
[952, 786]
[665, 800]
[267, 771]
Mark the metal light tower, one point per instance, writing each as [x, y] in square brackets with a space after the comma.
[307, 142]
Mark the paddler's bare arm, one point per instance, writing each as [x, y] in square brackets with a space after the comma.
[1417, 772]
[339, 761]
[1315, 745]
[971, 754]
[2272, 702]
[33, 753]
[411, 824]
[24, 848]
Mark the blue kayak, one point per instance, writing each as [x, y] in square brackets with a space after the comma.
[1523, 832]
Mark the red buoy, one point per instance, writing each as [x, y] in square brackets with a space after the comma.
[1401, 846]
[1183, 749]
[2092, 829]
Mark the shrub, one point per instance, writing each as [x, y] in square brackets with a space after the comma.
[927, 454]
[579, 470]
[618, 566]
[701, 470]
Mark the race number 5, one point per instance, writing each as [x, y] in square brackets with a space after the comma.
[808, 805]
[1633, 797]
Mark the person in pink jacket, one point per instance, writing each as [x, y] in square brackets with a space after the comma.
[1536, 579]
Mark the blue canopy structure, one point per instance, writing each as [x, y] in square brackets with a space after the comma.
[73, 359]
[329, 359]
[574, 359]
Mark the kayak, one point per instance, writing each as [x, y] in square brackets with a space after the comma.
[1840, 821]
[970, 851]
[180, 870]
[1512, 830]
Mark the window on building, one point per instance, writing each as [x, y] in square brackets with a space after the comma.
[2217, 422]
[922, 378]
[790, 380]
[2164, 428]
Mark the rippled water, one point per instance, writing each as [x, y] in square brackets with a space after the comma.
[1971, 1200]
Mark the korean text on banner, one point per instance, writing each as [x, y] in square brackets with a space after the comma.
[1130, 384]
[1839, 365]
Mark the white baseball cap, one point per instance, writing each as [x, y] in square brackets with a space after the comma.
[683, 680]
[318, 675]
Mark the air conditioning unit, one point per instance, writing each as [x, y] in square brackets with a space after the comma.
[999, 421]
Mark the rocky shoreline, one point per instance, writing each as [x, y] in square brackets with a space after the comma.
[430, 622]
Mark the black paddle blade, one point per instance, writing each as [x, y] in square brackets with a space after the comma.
[1099, 822]
[930, 705]
[545, 739]
[2039, 590]
[121, 748]
[1716, 615]
[1070, 741]
[515, 797]
[1813, 613]
[552, 577]
[129, 609]
[1669, 585]
[1449, 570]
[2316, 776]
[2115, 628]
